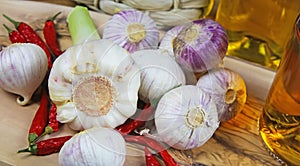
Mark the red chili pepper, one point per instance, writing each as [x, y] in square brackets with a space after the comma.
[53, 122]
[40, 119]
[15, 36]
[150, 159]
[31, 37]
[146, 141]
[50, 36]
[139, 121]
[46, 147]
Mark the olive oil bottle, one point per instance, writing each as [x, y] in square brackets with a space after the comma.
[279, 123]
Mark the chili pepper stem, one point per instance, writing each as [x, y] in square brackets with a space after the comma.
[48, 130]
[16, 24]
[24, 150]
[54, 17]
[7, 28]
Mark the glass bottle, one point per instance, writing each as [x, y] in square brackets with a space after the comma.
[279, 123]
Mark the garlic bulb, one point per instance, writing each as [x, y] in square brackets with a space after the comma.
[186, 117]
[22, 69]
[94, 84]
[133, 30]
[159, 73]
[201, 45]
[96, 146]
[227, 88]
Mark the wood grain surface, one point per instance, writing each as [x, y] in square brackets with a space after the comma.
[235, 142]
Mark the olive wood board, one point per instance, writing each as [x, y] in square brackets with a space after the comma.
[236, 142]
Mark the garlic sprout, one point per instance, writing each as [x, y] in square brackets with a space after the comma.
[94, 84]
[159, 73]
[132, 30]
[201, 45]
[96, 146]
[186, 117]
[23, 67]
[81, 25]
[228, 90]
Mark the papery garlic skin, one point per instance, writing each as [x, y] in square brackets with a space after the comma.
[227, 88]
[22, 69]
[94, 84]
[159, 73]
[186, 117]
[132, 30]
[201, 45]
[166, 42]
[96, 146]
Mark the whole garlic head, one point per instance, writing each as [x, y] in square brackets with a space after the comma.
[22, 70]
[96, 146]
[94, 84]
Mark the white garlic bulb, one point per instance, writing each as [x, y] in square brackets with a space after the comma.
[159, 73]
[186, 117]
[96, 146]
[22, 70]
[94, 84]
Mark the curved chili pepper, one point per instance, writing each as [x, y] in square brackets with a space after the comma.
[139, 121]
[146, 141]
[40, 119]
[53, 123]
[50, 36]
[46, 147]
[31, 37]
[15, 36]
[150, 159]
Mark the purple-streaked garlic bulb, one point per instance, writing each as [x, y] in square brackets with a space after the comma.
[166, 42]
[201, 45]
[186, 117]
[132, 30]
[227, 88]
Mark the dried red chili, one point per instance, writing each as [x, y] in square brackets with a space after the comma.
[50, 36]
[139, 121]
[31, 37]
[53, 123]
[15, 36]
[40, 119]
[146, 141]
[46, 147]
[150, 159]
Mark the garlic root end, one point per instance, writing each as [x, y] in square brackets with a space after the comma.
[23, 100]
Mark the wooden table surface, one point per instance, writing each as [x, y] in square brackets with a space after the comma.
[235, 142]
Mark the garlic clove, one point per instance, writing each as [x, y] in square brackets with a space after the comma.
[186, 117]
[23, 67]
[159, 73]
[66, 112]
[228, 90]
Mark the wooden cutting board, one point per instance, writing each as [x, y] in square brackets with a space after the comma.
[236, 142]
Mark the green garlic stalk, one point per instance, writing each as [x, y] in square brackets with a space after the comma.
[81, 26]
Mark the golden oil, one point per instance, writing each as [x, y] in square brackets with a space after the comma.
[258, 30]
